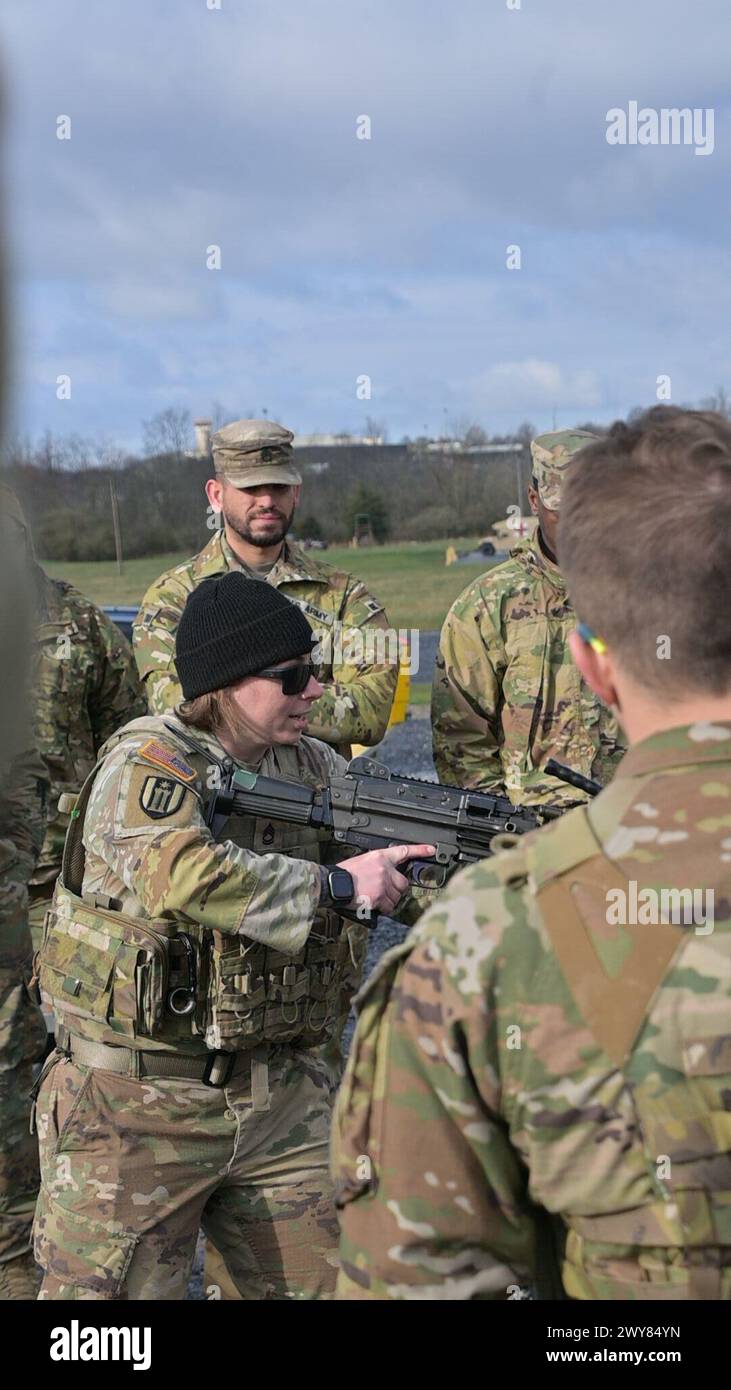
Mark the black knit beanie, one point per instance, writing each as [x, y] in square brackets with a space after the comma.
[233, 627]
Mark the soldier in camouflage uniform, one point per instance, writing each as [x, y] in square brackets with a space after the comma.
[23, 794]
[507, 696]
[548, 1052]
[85, 685]
[195, 982]
[255, 491]
[254, 494]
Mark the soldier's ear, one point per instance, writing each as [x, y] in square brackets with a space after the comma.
[597, 669]
[533, 499]
[297, 490]
[214, 493]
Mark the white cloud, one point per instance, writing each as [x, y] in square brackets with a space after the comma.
[386, 256]
[546, 384]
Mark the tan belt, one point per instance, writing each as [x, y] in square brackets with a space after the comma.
[214, 1069]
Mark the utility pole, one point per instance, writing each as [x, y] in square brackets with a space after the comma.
[115, 524]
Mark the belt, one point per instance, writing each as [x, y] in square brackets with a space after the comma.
[215, 1069]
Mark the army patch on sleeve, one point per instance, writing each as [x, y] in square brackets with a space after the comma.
[154, 752]
[161, 797]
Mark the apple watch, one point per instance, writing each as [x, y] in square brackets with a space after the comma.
[338, 888]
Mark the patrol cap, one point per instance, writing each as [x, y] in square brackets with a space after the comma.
[551, 453]
[247, 453]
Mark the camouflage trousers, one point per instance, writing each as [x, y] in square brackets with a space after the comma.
[131, 1168]
[22, 1035]
[216, 1275]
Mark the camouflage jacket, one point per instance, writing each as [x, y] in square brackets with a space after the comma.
[507, 696]
[23, 793]
[357, 666]
[23, 804]
[494, 1079]
[86, 686]
[150, 853]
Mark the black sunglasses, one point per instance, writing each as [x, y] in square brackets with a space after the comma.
[293, 679]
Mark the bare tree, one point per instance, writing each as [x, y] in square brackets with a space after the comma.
[168, 432]
[718, 401]
[376, 429]
[469, 432]
[48, 455]
[220, 415]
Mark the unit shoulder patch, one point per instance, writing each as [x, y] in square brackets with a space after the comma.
[156, 752]
[161, 797]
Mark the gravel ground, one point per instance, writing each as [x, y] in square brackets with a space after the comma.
[428, 641]
[407, 749]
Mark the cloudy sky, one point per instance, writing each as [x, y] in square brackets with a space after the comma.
[342, 258]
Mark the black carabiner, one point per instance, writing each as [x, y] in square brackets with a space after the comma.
[186, 1004]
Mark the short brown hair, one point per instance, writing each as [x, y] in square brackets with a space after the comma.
[645, 545]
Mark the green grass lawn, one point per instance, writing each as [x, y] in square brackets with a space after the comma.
[411, 579]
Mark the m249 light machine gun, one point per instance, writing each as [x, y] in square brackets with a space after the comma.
[369, 807]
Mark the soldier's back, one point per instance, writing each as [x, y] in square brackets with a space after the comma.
[575, 990]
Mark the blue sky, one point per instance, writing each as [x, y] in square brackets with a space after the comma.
[342, 257]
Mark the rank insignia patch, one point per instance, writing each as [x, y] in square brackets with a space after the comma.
[161, 797]
[154, 752]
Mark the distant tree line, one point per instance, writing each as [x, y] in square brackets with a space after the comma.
[409, 491]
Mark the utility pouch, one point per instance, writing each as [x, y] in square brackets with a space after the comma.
[101, 965]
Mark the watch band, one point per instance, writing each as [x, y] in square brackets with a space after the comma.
[324, 889]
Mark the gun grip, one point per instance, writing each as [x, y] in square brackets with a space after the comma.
[426, 873]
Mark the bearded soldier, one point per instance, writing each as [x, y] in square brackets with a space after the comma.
[547, 1055]
[196, 982]
[255, 492]
[507, 696]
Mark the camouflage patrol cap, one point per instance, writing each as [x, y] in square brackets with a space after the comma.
[551, 453]
[248, 453]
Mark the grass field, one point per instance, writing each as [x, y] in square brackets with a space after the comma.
[411, 579]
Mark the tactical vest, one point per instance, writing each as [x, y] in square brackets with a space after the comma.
[114, 977]
[687, 1124]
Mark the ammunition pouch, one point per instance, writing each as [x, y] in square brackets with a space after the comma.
[261, 995]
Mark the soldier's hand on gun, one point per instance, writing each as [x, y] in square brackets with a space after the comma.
[376, 875]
